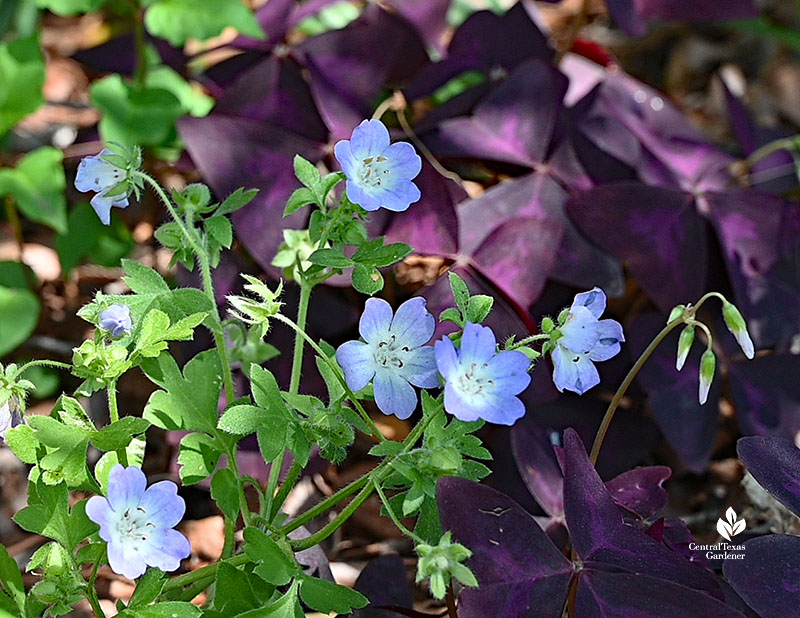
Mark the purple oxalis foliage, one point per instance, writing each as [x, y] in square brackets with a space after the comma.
[619, 570]
[768, 578]
[632, 15]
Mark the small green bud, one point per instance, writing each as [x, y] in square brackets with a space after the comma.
[563, 316]
[442, 562]
[738, 327]
[258, 311]
[548, 325]
[684, 346]
[708, 365]
[677, 312]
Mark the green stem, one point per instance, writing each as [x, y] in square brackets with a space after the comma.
[294, 388]
[176, 583]
[337, 372]
[230, 541]
[327, 503]
[141, 48]
[392, 515]
[375, 475]
[286, 487]
[43, 363]
[688, 316]
[788, 143]
[91, 593]
[113, 410]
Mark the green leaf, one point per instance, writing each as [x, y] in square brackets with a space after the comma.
[235, 201]
[164, 609]
[148, 587]
[242, 420]
[198, 457]
[133, 115]
[306, 172]
[478, 308]
[336, 391]
[20, 311]
[22, 75]
[134, 453]
[333, 258]
[70, 7]
[37, 184]
[12, 578]
[221, 230]
[386, 448]
[301, 197]
[225, 491]
[142, 279]
[234, 593]
[48, 514]
[460, 292]
[180, 20]
[367, 280]
[275, 566]
[66, 457]
[193, 100]
[382, 255]
[190, 399]
[327, 597]
[118, 435]
[451, 314]
[23, 442]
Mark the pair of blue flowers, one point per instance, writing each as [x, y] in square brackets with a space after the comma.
[379, 173]
[479, 381]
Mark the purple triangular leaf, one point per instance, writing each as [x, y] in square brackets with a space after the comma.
[537, 465]
[603, 594]
[656, 232]
[766, 394]
[768, 577]
[517, 566]
[775, 464]
[600, 535]
[640, 490]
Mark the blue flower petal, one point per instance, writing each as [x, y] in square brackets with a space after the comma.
[464, 409]
[505, 411]
[166, 549]
[125, 560]
[99, 511]
[403, 161]
[413, 324]
[573, 372]
[369, 139]
[399, 198]
[509, 371]
[344, 155]
[164, 506]
[357, 363]
[607, 346]
[446, 358]
[125, 487]
[420, 368]
[376, 320]
[393, 395]
[102, 206]
[594, 300]
[580, 333]
[95, 174]
[478, 344]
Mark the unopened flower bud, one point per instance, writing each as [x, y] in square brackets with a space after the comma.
[738, 327]
[676, 313]
[708, 365]
[258, 311]
[684, 346]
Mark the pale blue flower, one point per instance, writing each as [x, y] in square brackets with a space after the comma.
[379, 173]
[394, 356]
[138, 524]
[9, 417]
[584, 340]
[95, 174]
[116, 320]
[482, 383]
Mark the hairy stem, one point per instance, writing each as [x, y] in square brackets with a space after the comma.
[402, 528]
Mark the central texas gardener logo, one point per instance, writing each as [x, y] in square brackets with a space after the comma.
[732, 526]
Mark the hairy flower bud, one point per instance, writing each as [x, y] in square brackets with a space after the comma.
[442, 562]
[257, 311]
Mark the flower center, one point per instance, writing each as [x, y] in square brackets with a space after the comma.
[373, 171]
[390, 354]
[134, 525]
[475, 380]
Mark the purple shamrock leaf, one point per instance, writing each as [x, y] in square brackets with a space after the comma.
[137, 523]
[394, 356]
[775, 464]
